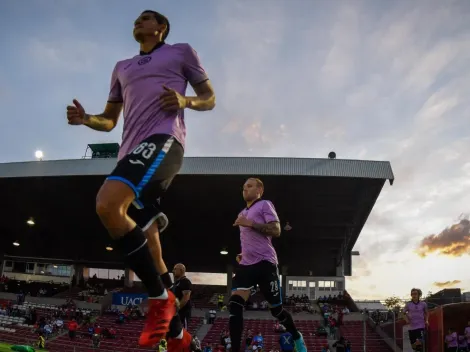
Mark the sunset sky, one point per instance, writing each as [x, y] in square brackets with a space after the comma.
[376, 80]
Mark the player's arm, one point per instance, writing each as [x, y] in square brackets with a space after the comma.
[107, 120]
[186, 289]
[197, 77]
[204, 99]
[271, 226]
[272, 229]
[185, 299]
[405, 316]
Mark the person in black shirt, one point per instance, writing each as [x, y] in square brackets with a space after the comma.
[340, 345]
[182, 290]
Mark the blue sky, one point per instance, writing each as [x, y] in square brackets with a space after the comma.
[380, 80]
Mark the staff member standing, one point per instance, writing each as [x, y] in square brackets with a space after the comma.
[182, 290]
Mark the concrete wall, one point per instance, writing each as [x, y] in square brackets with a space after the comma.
[51, 301]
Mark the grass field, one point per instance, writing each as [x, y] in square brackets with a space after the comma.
[4, 347]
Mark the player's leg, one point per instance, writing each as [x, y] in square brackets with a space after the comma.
[151, 219]
[142, 173]
[270, 287]
[413, 337]
[153, 222]
[242, 283]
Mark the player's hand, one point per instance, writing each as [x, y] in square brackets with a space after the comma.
[76, 113]
[243, 221]
[171, 100]
[238, 258]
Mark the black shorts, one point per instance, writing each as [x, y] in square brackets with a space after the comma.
[149, 170]
[415, 335]
[264, 274]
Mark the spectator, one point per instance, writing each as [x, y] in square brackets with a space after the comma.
[96, 338]
[73, 326]
[340, 345]
[41, 342]
[463, 345]
[258, 340]
[452, 341]
[212, 316]
[249, 338]
[467, 333]
[220, 301]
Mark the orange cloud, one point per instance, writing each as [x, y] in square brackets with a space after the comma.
[447, 284]
[453, 241]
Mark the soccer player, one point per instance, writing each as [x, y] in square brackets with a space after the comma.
[258, 264]
[151, 88]
[416, 315]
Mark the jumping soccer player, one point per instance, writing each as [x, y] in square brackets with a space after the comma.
[151, 88]
[258, 224]
[416, 315]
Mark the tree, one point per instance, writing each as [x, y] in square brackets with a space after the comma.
[393, 302]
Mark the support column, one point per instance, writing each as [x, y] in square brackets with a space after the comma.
[340, 268]
[2, 264]
[229, 282]
[78, 272]
[129, 277]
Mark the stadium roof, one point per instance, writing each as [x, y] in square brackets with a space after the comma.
[326, 201]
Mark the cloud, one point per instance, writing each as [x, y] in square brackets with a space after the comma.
[377, 80]
[453, 241]
[447, 284]
[74, 56]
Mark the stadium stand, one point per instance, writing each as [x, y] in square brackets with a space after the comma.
[126, 335]
[266, 328]
[354, 332]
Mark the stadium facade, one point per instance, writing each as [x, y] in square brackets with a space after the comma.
[323, 205]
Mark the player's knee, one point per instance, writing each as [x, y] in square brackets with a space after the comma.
[276, 311]
[281, 314]
[236, 305]
[112, 201]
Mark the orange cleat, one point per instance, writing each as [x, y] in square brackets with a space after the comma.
[160, 313]
[181, 345]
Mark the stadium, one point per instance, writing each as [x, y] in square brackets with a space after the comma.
[58, 263]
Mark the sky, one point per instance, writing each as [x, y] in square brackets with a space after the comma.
[375, 80]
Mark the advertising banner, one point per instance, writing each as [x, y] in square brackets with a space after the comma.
[124, 299]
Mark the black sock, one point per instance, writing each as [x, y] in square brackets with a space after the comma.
[285, 318]
[138, 257]
[166, 278]
[235, 321]
[175, 327]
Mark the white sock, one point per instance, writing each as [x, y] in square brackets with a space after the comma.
[164, 295]
[180, 336]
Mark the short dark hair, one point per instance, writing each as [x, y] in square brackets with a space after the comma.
[162, 20]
